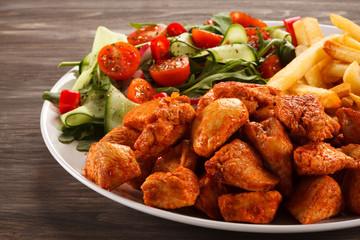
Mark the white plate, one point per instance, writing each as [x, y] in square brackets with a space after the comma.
[73, 162]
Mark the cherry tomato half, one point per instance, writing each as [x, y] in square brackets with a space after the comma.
[119, 60]
[246, 20]
[204, 39]
[140, 91]
[175, 29]
[160, 95]
[160, 48]
[146, 34]
[270, 66]
[171, 72]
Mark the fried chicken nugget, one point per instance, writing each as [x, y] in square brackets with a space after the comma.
[122, 135]
[315, 198]
[207, 201]
[251, 207]
[352, 150]
[237, 164]
[171, 190]
[109, 165]
[273, 143]
[351, 190]
[319, 158]
[349, 120]
[180, 155]
[216, 123]
[146, 163]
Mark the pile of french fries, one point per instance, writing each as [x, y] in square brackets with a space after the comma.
[326, 66]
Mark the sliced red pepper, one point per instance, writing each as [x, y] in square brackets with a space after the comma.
[289, 27]
[160, 95]
[69, 100]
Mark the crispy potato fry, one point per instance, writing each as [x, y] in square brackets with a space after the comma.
[314, 77]
[300, 33]
[341, 52]
[328, 98]
[347, 101]
[335, 69]
[349, 41]
[298, 67]
[342, 90]
[300, 49]
[312, 30]
[325, 62]
[346, 25]
[352, 76]
[356, 99]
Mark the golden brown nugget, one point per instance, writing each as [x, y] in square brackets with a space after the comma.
[273, 143]
[251, 207]
[349, 120]
[146, 164]
[319, 158]
[122, 135]
[216, 123]
[207, 200]
[179, 155]
[315, 198]
[109, 165]
[205, 100]
[171, 190]
[351, 190]
[352, 150]
[238, 164]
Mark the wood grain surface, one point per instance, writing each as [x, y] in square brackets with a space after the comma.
[38, 198]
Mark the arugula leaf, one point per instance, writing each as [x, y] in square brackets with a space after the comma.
[52, 97]
[222, 21]
[286, 53]
[141, 25]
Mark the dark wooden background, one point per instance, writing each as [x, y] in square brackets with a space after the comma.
[38, 198]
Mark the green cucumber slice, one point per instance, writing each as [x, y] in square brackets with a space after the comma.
[235, 34]
[183, 45]
[233, 52]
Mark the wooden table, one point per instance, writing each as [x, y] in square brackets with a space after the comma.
[38, 198]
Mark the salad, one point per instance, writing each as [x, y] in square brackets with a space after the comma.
[157, 60]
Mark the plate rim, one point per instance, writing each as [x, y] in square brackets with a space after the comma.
[200, 222]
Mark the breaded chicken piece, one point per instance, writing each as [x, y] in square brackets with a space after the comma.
[238, 164]
[263, 113]
[315, 198]
[349, 120]
[253, 95]
[179, 155]
[273, 143]
[122, 135]
[319, 158]
[216, 123]
[251, 207]
[109, 165]
[304, 116]
[351, 190]
[352, 150]
[146, 164]
[141, 115]
[171, 190]
[205, 100]
[207, 201]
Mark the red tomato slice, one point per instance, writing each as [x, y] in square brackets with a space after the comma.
[160, 48]
[246, 20]
[204, 39]
[69, 100]
[140, 91]
[270, 66]
[175, 29]
[171, 72]
[146, 34]
[119, 60]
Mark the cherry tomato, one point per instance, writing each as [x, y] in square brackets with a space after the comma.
[246, 20]
[270, 66]
[209, 22]
[140, 91]
[160, 48]
[171, 72]
[146, 34]
[119, 60]
[69, 100]
[204, 39]
[253, 38]
[160, 95]
[175, 29]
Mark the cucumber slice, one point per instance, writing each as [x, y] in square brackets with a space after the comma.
[117, 105]
[85, 63]
[235, 34]
[228, 53]
[183, 45]
[281, 34]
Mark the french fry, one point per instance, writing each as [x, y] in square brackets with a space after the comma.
[314, 77]
[312, 30]
[325, 62]
[328, 98]
[297, 68]
[341, 52]
[356, 99]
[352, 76]
[347, 40]
[342, 90]
[347, 101]
[346, 25]
[335, 69]
[300, 49]
[300, 33]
